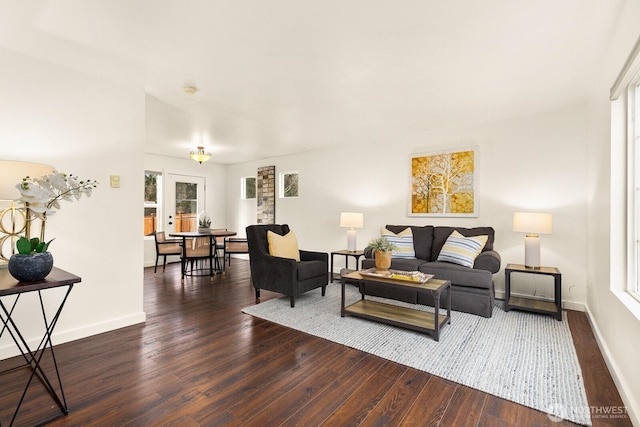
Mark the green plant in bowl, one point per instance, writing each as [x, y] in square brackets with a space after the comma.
[204, 222]
[32, 246]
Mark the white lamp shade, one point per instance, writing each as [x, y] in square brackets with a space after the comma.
[532, 223]
[12, 173]
[351, 220]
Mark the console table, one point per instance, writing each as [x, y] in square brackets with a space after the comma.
[10, 292]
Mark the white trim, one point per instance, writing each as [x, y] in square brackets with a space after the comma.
[60, 337]
[628, 73]
[619, 381]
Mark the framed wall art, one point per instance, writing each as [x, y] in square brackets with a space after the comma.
[288, 184]
[266, 200]
[443, 184]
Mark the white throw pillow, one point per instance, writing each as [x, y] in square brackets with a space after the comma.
[462, 250]
[403, 242]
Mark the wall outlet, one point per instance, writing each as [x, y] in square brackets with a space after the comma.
[115, 181]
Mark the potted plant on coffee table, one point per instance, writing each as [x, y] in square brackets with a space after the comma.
[382, 249]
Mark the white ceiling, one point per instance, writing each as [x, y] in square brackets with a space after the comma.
[284, 76]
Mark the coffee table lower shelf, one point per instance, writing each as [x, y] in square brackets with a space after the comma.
[416, 320]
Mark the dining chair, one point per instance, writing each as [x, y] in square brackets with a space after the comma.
[234, 245]
[196, 250]
[165, 248]
[219, 244]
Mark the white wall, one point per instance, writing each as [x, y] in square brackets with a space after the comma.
[91, 128]
[215, 193]
[610, 311]
[534, 163]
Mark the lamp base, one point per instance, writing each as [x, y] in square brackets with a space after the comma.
[351, 240]
[532, 251]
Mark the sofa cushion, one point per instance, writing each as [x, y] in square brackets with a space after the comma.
[311, 269]
[461, 250]
[458, 274]
[440, 235]
[403, 242]
[283, 246]
[422, 239]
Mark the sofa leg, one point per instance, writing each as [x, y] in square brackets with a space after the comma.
[324, 290]
[293, 301]
[257, 293]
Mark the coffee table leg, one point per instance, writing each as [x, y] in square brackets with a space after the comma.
[436, 320]
[449, 304]
[342, 306]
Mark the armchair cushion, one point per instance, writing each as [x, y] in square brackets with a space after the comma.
[283, 246]
[310, 269]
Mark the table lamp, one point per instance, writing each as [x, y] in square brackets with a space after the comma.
[351, 220]
[532, 224]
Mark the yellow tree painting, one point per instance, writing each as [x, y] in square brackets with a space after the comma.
[443, 184]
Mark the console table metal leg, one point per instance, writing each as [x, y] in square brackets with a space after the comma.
[34, 357]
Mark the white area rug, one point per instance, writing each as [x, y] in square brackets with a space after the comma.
[523, 357]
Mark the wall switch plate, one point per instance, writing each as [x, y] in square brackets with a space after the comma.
[115, 181]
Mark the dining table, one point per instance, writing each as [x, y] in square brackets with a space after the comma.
[212, 235]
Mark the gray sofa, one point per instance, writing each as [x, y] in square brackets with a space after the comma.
[472, 289]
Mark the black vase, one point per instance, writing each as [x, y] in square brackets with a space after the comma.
[30, 267]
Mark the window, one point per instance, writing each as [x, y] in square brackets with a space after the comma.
[625, 94]
[633, 196]
[289, 184]
[152, 205]
[248, 187]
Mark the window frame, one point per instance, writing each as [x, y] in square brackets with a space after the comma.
[158, 203]
[243, 188]
[633, 186]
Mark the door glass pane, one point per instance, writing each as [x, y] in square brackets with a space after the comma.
[150, 221]
[186, 206]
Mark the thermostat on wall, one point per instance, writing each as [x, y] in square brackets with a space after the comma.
[115, 181]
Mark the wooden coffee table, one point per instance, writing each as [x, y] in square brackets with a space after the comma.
[409, 318]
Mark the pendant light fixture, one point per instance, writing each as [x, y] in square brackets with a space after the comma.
[200, 156]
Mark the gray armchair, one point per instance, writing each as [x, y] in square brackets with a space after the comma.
[284, 275]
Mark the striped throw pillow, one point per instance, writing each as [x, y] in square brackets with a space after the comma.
[462, 250]
[403, 242]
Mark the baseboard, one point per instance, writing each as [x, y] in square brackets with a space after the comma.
[68, 335]
[567, 305]
[621, 385]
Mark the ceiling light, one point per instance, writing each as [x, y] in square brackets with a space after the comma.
[200, 156]
[190, 89]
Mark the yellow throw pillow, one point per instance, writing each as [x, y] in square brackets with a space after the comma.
[283, 246]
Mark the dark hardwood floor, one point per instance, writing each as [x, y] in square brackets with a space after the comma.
[199, 361]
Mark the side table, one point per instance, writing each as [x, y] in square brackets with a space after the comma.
[33, 357]
[346, 253]
[531, 304]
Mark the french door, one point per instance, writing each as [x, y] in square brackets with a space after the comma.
[184, 200]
